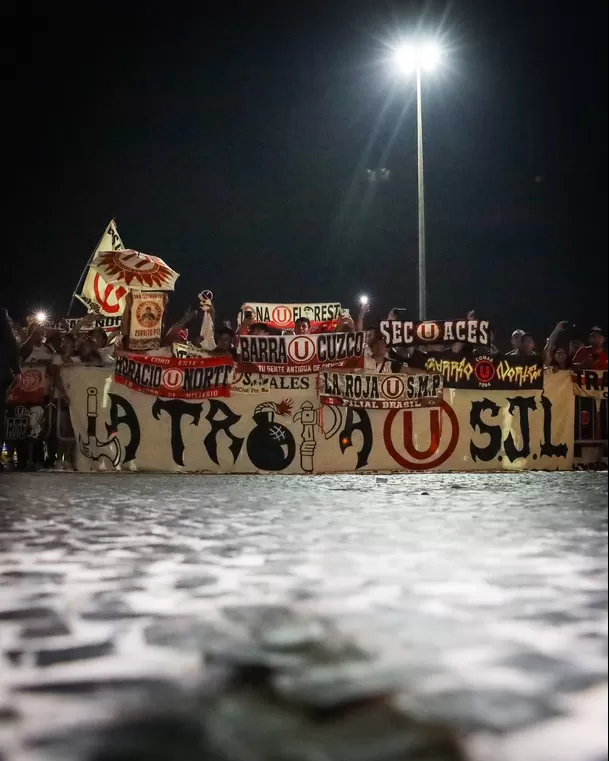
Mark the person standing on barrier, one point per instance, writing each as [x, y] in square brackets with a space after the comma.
[594, 356]
[10, 368]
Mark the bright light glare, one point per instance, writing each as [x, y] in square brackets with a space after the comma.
[427, 56]
[406, 59]
[363, 300]
[41, 317]
[430, 56]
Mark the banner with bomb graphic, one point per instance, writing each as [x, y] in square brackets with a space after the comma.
[291, 431]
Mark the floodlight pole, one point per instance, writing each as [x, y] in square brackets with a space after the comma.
[421, 205]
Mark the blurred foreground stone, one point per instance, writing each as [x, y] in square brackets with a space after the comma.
[298, 691]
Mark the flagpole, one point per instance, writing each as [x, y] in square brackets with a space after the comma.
[87, 265]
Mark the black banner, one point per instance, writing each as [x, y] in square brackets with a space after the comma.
[380, 391]
[301, 355]
[480, 371]
[109, 324]
[24, 421]
[409, 333]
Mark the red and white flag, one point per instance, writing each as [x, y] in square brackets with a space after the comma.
[134, 270]
[97, 295]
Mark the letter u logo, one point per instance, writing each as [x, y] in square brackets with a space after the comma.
[428, 331]
[301, 349]
[392, 387]
[281, 316]
[111, 290]
[435, 433]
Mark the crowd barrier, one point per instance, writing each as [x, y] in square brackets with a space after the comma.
[279, 425]
[590, 430]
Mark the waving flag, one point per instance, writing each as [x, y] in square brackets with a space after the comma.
[133, 270]
[99, 296]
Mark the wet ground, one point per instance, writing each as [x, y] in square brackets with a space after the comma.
[473, 607]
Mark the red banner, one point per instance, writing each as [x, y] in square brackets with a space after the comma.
[301, 355]
[31, 387]
[171, 378]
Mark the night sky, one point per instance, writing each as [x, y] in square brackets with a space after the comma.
[235, 143]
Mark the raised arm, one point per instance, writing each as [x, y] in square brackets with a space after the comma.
[359, 323]
[83, 322]
[179, 325]
[10, 342]
[30, 342]
[548, 350]
[582, 359]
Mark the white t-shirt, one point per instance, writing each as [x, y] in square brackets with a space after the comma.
[59, 361]
[107, 355]
[164, 351]
[372, 366]
[40, 353]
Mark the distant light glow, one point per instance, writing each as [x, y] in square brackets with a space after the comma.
[409, 58]
[41, 317]
[363, 300]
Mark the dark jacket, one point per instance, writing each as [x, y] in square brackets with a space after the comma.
[9, 350]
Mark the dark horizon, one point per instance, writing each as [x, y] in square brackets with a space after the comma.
[236, 146]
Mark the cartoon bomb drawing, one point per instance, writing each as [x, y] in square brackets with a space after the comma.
[270, 445]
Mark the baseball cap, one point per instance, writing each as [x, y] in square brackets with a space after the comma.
[518, 333]
[598, 330]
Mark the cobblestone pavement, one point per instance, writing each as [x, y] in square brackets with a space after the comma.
[338, 618]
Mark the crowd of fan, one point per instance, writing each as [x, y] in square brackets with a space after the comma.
[62, 346]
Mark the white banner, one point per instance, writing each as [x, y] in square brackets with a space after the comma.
[289, 431]
[256, 383]
[283, 316]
